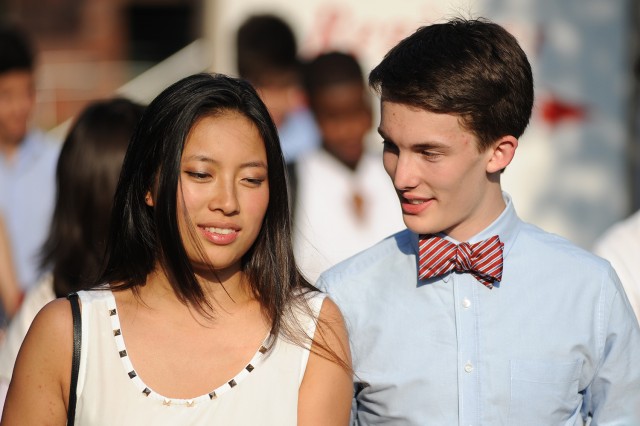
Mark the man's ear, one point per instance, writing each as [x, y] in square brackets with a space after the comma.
[148, 199]
[502, 152]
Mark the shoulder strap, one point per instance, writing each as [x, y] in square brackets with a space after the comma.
[75, 363]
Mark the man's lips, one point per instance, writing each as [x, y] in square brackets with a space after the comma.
[413, 205]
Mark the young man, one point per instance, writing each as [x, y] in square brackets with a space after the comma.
[471, 316]
[344, 203]
[27, 157]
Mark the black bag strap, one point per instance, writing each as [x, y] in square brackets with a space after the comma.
[75, 363]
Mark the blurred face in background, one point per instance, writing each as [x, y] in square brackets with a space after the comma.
[343, 115]
[17, 99]
[281, 93]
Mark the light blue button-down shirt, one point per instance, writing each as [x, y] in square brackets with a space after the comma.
[552, 344]
[27, 196]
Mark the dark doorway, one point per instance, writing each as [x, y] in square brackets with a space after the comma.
[157, 31]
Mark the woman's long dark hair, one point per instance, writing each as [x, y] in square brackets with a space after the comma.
[86, 177]
[141, 236]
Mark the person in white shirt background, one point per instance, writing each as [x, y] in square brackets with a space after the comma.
[343, 201]
[620, 245]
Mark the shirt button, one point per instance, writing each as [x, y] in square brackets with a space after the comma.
[468, 367]
[466, 303]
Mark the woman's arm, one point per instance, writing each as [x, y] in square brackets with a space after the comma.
[327, 387]
[10, 292]
[39, 389]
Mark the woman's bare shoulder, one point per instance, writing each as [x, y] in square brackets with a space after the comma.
[55, 316]
[51, 332]
[44, 363]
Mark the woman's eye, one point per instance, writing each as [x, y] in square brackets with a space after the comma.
[254, 181]
[198, 175]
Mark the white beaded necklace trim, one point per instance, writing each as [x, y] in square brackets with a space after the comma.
[257, 359]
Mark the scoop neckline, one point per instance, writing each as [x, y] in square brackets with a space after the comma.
[147, 391]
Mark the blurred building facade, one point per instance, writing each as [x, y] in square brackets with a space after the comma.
[87, 49]
[577, 170]
[578, 166]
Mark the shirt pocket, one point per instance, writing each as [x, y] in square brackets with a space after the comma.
[544, 392]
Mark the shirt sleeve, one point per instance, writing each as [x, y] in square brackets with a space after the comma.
[613, 397]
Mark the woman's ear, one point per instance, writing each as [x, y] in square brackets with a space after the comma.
[148, 199]
[502, 153]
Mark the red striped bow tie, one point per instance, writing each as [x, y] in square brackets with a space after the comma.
[439, 256]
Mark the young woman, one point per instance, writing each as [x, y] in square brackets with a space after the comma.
[203, 317]
[86, 178]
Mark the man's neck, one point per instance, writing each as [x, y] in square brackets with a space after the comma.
[352, 166]
[487, 213]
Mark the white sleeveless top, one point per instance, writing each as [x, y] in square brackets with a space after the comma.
[110, 392]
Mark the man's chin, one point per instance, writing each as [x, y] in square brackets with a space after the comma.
[419, 225]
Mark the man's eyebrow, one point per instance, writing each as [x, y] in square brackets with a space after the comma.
[416, 146]
[428, 145]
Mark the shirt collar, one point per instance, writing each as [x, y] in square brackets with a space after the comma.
[28, 151]
[31, 147]
[505, 226]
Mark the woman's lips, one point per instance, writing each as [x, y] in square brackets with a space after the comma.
[219, 235]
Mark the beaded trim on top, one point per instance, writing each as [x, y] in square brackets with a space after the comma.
[148, 392]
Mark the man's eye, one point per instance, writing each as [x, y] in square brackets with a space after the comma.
[389, 146]
[430, 155]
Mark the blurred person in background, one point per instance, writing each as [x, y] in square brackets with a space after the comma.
[200, 315]
[267, 56]
[10, 291]
[620, 245]
[27, 157]
[343, 200]
[86, 178]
